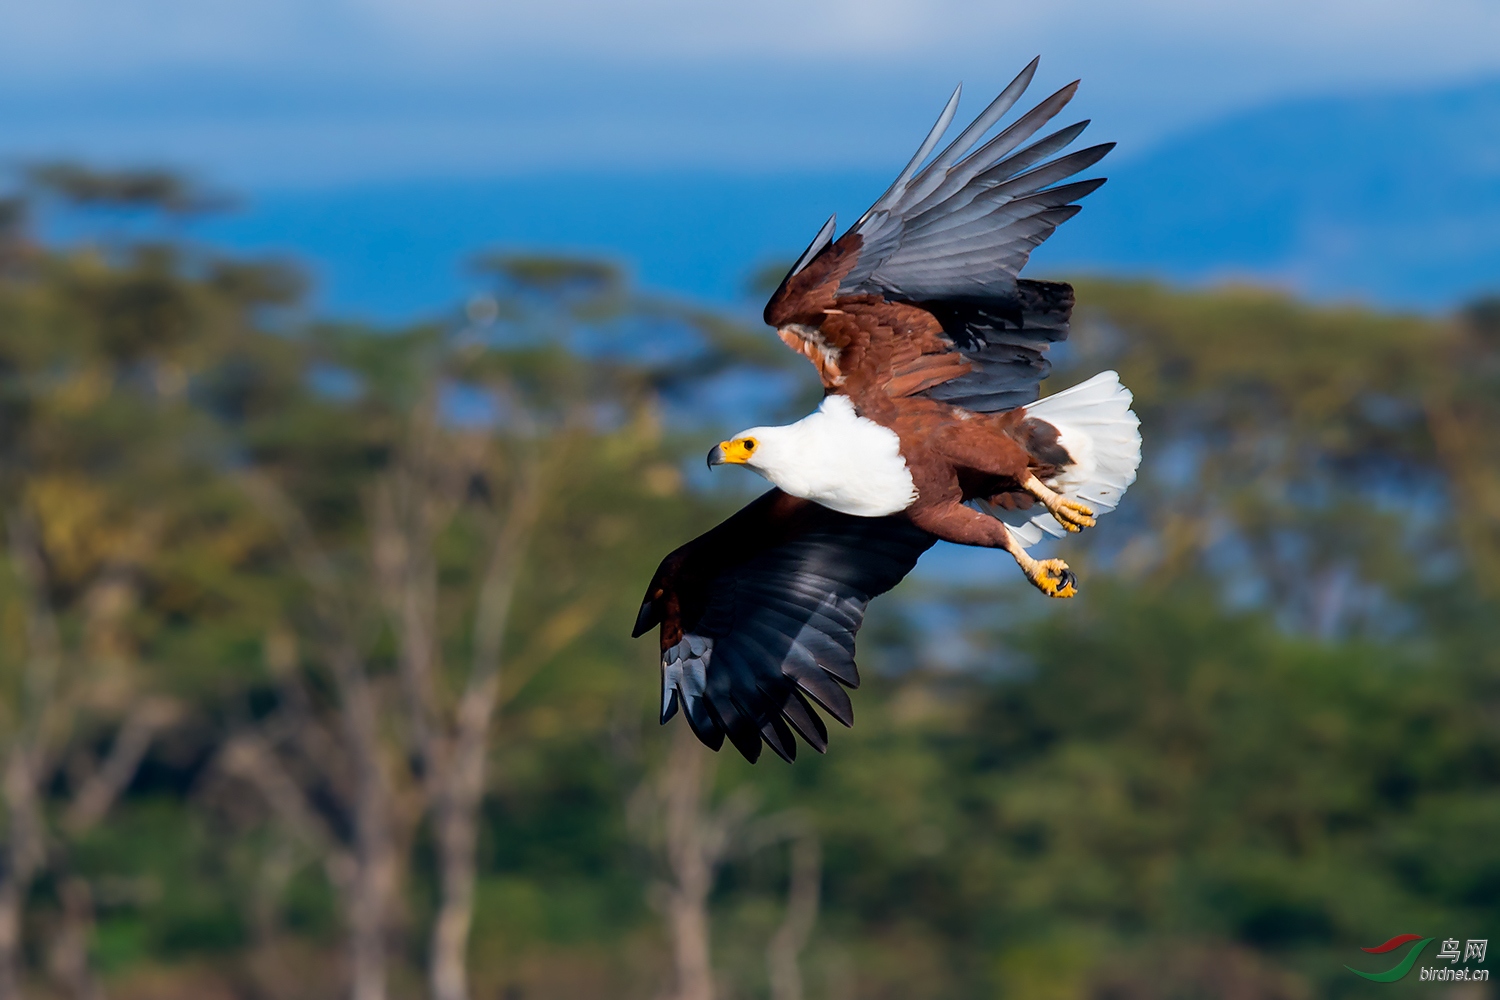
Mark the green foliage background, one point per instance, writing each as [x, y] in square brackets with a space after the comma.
[1266, 734]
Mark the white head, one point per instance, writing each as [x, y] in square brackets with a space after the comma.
[766, 450]
[833, 456]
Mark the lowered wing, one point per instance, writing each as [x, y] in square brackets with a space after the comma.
[758, 619]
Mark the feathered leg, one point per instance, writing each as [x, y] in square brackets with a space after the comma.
[976, 445]
[953, 522]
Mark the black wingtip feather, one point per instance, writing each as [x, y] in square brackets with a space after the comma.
[742, 732]
[646, 619]
[671, 708]
[779, 738]
[829, 694]
[701, 721]
[844, 669]
[801, 717]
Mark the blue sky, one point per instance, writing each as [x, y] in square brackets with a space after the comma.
[303, 93]
[1342, 149]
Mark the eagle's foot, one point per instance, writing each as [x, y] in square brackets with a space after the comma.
[1071, 514]
[1052, 577]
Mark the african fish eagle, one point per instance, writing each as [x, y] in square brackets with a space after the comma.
[931, 350]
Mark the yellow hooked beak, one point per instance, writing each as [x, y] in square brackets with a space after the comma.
[736, 452]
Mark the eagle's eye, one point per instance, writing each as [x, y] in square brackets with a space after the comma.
[750, 444]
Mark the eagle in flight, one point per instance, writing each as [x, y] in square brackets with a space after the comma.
[931, 350]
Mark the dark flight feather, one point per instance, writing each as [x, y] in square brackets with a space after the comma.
[971, 174]
[754, 633]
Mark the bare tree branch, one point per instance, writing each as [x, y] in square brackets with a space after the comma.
[25, 765]
[69, 954]
[696, 838]
[786, 945]
[97, 795]
[458, 796]
[246, 756]
[371, 891]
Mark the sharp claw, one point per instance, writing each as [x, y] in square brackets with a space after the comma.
[1055, 579]
[1067, 584]
[1072, 522]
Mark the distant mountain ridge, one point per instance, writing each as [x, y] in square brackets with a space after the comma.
[1392, 199]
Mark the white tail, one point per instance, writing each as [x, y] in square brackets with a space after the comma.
[1103, 435]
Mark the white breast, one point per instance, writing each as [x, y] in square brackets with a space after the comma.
[839, 459]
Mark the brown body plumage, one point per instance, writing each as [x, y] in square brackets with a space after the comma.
[884, 355]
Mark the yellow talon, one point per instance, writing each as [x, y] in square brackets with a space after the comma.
[1053, 578]
[1073, 515]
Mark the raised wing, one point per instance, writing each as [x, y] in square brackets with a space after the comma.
[758, 618]
[951, 238]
